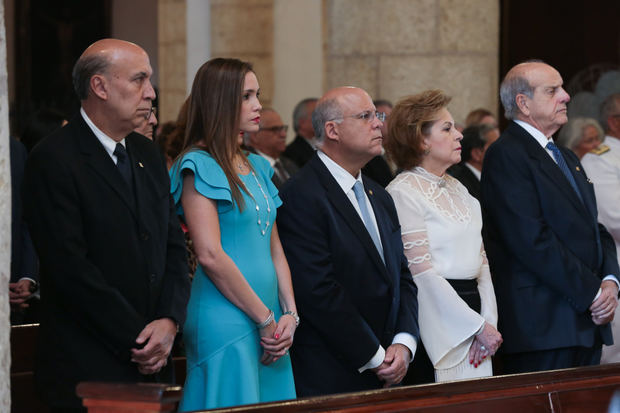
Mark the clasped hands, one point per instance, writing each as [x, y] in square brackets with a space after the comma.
[20, 292]
[277, 338]
[159, 338]
[395, 364]
[484, 345]
[604, 307]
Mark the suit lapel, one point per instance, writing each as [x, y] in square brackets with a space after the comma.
[345, 209]
[548, 166]
[100, 162]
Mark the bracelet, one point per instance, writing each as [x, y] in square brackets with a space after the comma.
[294, 315]
[267, 321]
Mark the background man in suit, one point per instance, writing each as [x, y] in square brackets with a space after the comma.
[269, 142]
[302, 148]
[476, 140]
[353, 288]
[24, 263]
[603, 167]
[548, 253]
[114, 282]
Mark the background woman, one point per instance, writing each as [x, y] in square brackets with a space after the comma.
[241, 313]
[581, 135]
[441, 230]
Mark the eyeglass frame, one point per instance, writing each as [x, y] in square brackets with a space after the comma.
[152, 111]
[375, 114]
[275, 129]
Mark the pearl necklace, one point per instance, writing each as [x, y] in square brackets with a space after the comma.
[263, 231]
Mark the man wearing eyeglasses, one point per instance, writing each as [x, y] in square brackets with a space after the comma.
[270, 142]
[148, 123]
[341, 236]
[113, 267]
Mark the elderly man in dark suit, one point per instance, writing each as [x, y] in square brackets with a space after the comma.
[302, 148]
[269, 142]
[114, 282]
[341, 236]
[555, 268]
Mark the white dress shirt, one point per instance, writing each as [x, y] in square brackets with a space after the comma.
[108, 143]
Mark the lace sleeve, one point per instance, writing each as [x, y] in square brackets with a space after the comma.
[483, 254]
[414, 233]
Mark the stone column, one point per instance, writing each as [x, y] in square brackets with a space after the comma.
[243, 29]
[5, 227]
[394, 48]
[172, 62]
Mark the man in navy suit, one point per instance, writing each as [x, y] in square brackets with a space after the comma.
[341, 236]
[555, 268]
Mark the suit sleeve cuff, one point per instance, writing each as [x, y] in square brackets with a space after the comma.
[408, 341]
[375, 361]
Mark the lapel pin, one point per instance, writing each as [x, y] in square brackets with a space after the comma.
[577, 168]
[370, 191]
[140, 165]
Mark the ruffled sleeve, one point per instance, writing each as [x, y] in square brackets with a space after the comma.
[447, 324]
[265, 171]
[209, 180]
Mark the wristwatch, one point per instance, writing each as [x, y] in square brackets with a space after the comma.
[294, 315]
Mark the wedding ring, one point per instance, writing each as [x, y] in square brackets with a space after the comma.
[483, 348]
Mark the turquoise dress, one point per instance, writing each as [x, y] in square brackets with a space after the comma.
[221, 341]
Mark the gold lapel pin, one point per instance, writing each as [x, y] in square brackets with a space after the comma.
[370, 191]
[140, 165]
[577, 168]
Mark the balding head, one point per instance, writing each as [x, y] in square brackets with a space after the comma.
[112, 79]
[532, 92]
[346, 127]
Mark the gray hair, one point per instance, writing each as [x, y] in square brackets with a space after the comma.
[609, 107]
[83, 71]
[571, 134]
[301, 112]
[324, 112]
[508, 91]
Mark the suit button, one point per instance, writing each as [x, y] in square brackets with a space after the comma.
[144, 236]
[153, 278]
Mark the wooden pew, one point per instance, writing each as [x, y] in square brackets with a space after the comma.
[23, 344]
[580, 390]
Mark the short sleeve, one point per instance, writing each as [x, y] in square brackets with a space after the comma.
[209, 180]
[265, 171]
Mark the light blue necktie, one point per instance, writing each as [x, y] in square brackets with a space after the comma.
[562, 164]
[358, 189]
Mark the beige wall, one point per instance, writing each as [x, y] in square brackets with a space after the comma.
[394, 48]
[5, 227]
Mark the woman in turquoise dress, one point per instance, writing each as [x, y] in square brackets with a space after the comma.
[241, 315]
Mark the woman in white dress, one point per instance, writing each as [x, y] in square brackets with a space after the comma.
[441, 231]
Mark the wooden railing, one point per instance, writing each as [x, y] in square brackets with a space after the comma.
[580, 390]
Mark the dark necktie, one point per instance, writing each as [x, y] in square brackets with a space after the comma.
[123, 164]
[564, 167]
[280, 171]
[358, 189]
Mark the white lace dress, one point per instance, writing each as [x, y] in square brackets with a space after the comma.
[441, 231]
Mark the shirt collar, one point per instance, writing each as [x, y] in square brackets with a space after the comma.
[536, 134]
[344, 178]
[271, 160]
[473, 170]
[108, 143]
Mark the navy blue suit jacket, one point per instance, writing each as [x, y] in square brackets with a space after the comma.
[544, 256]
[349, 301]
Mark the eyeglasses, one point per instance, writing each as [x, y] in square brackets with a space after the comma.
[276, 129]
[153, 111]
[367, 115]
